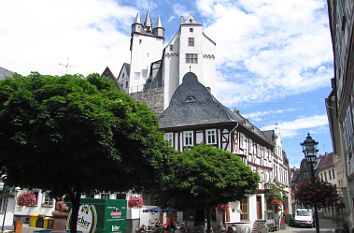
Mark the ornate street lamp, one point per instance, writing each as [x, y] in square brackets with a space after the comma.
[310, 152]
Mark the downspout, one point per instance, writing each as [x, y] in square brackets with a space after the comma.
[233, 130]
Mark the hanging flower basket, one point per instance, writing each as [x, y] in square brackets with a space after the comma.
[27, 199]
[223, 207]
[277, 202]
[135, 202]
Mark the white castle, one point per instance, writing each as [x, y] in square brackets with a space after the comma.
[155, 65]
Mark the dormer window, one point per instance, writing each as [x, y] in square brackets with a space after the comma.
[191, 99]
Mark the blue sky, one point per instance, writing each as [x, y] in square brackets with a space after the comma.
[274, 57]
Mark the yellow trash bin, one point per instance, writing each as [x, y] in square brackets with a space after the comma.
[45, 222]
[33, 220]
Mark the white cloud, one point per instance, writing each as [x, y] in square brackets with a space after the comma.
[289, 129]
[40, 34]
[145, 4]
[284, 45]
[180, 10]
[257, 116]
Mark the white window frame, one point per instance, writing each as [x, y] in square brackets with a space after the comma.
[192, 58]
[191, 41]
[46, 199]
[169, 138]
[188, 139]
[211, 138]
[105, 196]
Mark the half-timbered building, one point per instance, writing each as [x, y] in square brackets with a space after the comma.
[194, 116]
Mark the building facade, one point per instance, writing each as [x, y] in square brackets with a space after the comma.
[340, 103]
[153, 66]
[280, 172]
[194, 116]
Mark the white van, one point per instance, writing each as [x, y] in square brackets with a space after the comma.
[303, 217]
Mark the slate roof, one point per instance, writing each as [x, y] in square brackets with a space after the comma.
[4, 73]
[269, 134]
[192, 104]
[326, 161]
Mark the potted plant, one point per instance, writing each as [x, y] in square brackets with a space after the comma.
[135, 202]
[27, 198]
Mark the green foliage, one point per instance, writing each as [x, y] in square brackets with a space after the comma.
[341, 218]
[205, 176]
[319, 193]
[73, 134]
[273, 192]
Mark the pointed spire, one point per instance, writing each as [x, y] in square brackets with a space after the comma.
[158, 22]
[137, 19]
[148, 20]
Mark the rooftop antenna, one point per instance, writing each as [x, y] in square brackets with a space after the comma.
[65, 65]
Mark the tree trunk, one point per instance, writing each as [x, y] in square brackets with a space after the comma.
[208, 219]
[5, 210]
[75, 202]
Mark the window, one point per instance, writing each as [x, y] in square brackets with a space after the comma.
[333, 174]
[137, 75]
[211, 136]
[188, 138]
[325, 175]
[46, 199]
[105, 196]
[321, 176]
[171, 47]
[169, 138]
[191, 58]
[140, 41]
[190, 41]
[190, 29]
[2, 203]
[330, 175]
[144, 73]
[244, 208]
[121, 195]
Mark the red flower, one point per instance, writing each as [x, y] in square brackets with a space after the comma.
[223, 207]
[27, 199]
[135, 202]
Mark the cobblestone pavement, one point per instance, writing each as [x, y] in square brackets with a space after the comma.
[326, 226]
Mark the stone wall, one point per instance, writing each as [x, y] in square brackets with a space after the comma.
[153, 97]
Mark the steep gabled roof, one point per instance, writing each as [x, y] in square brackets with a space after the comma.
[192, 104]
[325, 161]
[4, 73]
[125, 66]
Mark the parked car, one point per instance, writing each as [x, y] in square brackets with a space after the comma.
[303, 217]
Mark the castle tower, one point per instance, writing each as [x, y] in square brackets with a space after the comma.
[190, 50]
[158, 30]
[147, 23]
[146, 47]
[137, 26]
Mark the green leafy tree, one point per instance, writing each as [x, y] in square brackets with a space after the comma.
[318, 193]
[204, 177]
[75, 135]
[273, 193]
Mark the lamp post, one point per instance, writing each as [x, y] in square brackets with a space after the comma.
[310, 152]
